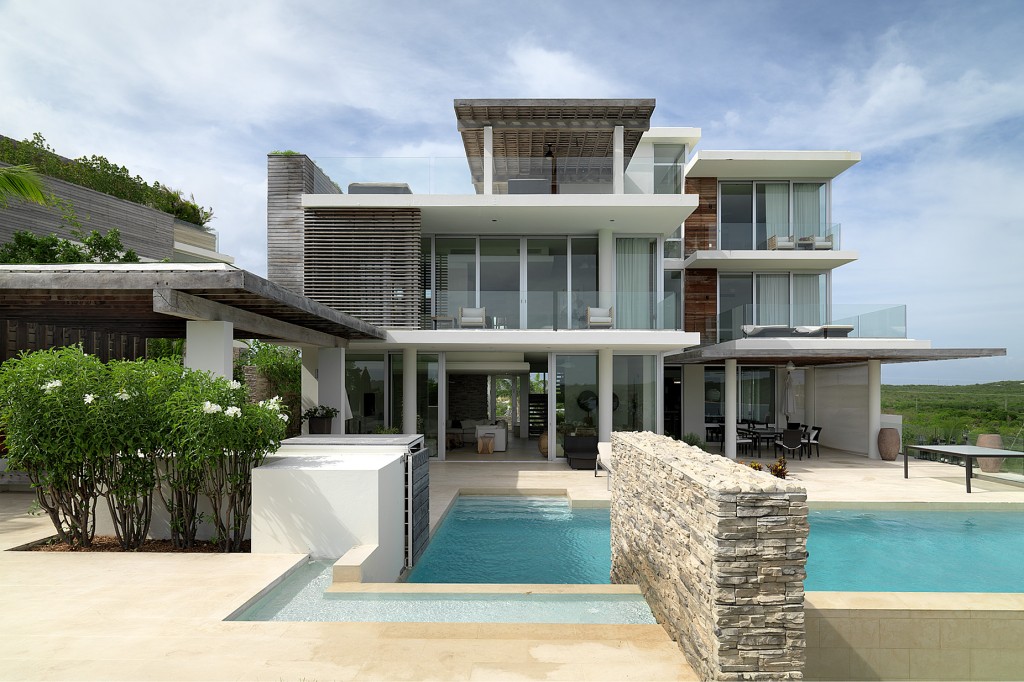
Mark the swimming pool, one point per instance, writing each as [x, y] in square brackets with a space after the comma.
[301, 597]
[915, 551]
[518, 540]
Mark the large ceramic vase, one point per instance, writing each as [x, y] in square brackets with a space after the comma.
[542, 443]
[990, 465]
[888, 443]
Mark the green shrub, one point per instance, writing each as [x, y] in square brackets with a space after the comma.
[694, 440]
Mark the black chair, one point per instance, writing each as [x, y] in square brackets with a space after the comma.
[792, 439]
[792, 425]
[813, 439]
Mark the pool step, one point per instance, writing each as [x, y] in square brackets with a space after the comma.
[479, 588]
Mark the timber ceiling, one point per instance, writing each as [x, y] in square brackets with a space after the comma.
[578, 133]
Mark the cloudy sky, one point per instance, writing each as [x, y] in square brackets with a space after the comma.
[195, 93]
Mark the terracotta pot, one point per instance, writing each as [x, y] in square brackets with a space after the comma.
[888, 443]
[990, 465]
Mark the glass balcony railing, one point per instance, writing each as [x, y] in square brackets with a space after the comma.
[462, 175]
[868, 321]
[553, 310]
[747, 237]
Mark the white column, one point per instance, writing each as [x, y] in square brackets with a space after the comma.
[524, 410]
[605, 385]
[874, 406]
[809, 415]
[605, 266]
[208, 346]
[331, 384]
[310, 392]
[409, 391]
[488, 160]
[618, 161]
[729, 440]
[492, 397]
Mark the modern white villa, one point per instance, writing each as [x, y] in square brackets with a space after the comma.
[587, 273]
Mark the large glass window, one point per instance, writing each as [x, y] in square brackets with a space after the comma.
[809, 298]
[771, 206]
[365, 379]
[546, 281]
[635, 393]
[584, 281]
[671, 309]
[668, 168]
[454, 275]
[736, 208]
[735, 305]
[789, 299]
[635, 284]
[809, 207]
[499, 282]
[755, 397]
[772, 299]
[575, 397]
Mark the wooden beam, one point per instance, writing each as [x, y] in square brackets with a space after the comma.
[574, 125]
[180, 304]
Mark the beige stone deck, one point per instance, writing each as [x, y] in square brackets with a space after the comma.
[160, 617]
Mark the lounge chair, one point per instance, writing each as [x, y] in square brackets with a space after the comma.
[472, 318]
[600, 318]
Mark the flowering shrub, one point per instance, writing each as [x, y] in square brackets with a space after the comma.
[82, 429]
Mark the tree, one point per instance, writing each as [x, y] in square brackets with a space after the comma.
[21, 182]
[27, 248]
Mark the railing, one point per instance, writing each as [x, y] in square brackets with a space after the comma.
[462, 175]
[747, 237]
[553, 309]
[869, 321]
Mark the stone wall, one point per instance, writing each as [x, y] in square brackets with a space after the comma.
[718, 550]
[467, 396]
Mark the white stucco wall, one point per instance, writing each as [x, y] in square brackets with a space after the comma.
[693, 399]
[841, 407]
[325, 505]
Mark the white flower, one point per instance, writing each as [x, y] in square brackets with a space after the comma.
[233, 411]
[282, 416]
[50, 385]
[272, 403]
[235, 384]
[121, 395]
[89, 397]
[210, 408]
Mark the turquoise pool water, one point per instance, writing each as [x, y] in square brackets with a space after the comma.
[518, 540]
[915, 551]
[300, 597]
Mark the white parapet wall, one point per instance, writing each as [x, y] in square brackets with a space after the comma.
[330, 505]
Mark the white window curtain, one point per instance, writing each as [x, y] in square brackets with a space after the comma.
[634, 284]
[808, 303]
[773, 299]
[776, 205]
[808, 209]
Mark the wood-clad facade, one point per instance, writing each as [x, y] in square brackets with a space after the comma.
[701, 233]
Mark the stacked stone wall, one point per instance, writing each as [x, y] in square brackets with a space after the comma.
[719, 551]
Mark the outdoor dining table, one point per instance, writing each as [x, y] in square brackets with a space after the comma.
[968, 452]
[762, 434]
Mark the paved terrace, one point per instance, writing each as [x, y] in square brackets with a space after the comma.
[160, 617]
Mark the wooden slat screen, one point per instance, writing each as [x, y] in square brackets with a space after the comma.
[365, 262]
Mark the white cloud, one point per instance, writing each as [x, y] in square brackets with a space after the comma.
[534, 71]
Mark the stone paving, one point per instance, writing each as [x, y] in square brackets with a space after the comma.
[160, 616]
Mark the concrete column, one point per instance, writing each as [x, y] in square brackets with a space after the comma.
[524, 401]
[331, 384]
[729, 441]
[874, 406]
[618, 161]
[492, 397]
[488, 160]
[310, 392]
[409, 391]
[809, 415]
[605, 266]
[208, 346]
[605, 384]
[693, 399]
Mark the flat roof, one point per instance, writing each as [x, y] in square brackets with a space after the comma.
[774, 261]
[821, 351]
[157, 299]
[769, 165]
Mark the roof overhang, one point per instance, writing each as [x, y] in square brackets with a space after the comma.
[527, 213]
[156, 300]
[812, 352]
[747, 261]
[539, 340]
[770, 165]
[678, 135]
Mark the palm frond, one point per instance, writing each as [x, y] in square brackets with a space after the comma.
[21, 182]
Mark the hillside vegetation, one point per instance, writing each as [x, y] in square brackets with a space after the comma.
[947, 413]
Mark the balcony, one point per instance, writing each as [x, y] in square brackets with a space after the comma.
[552, 310]
[869, 321]
[800, 238]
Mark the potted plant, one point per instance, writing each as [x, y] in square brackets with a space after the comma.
[320, 418]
